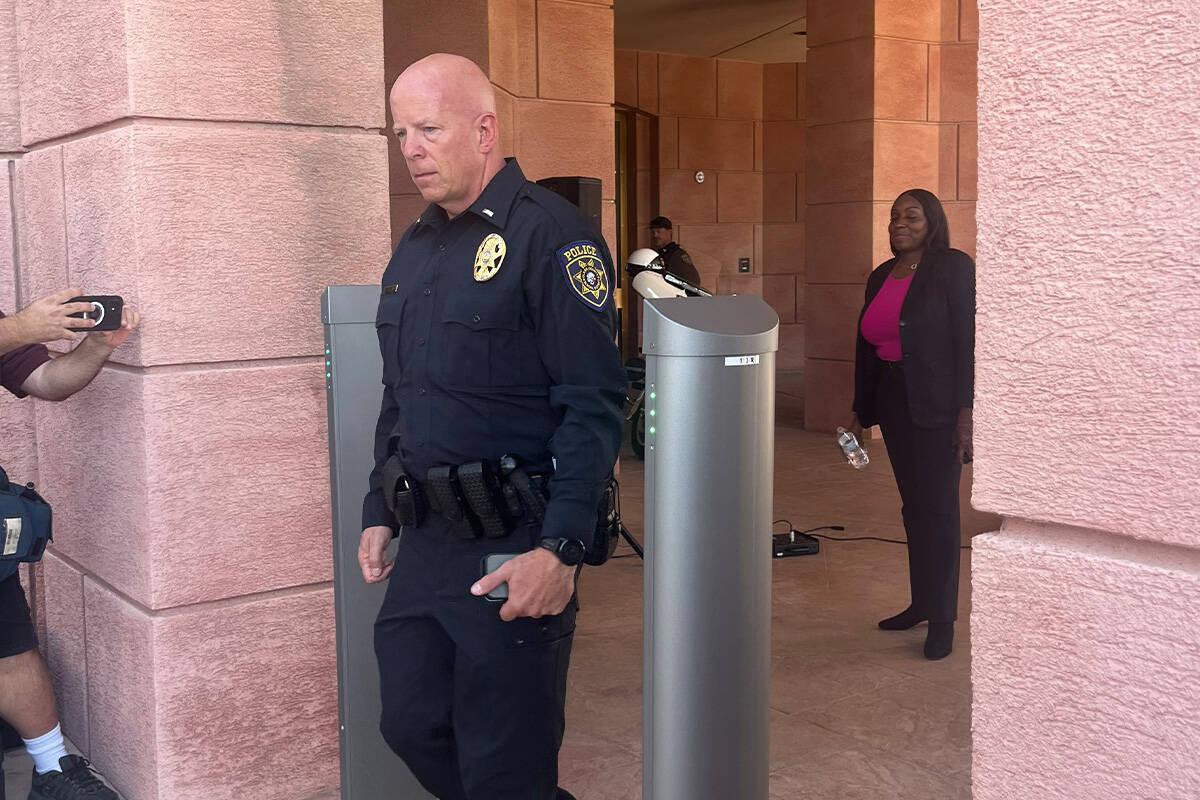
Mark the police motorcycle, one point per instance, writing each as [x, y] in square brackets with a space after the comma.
[651, 280]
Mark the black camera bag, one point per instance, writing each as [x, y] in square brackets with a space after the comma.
[25, 525]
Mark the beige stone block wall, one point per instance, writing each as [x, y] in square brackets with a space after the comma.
[742, 125]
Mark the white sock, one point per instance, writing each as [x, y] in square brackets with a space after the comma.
[46, 750]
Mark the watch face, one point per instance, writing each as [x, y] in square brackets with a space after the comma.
[571, 551]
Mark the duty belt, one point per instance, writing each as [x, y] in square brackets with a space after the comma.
[475, 498]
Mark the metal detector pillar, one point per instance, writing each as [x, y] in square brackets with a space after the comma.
[354, 390]
[710, 433]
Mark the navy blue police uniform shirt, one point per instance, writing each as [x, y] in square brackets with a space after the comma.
[497, 332]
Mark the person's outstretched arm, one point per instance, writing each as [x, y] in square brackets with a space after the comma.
[65, 375]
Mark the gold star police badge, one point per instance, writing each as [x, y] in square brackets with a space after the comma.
[586, 273]
[489, 256]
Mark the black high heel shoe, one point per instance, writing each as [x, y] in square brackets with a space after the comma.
[908, 618]
[939, 641]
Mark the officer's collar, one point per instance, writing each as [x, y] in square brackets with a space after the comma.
[497, 198]
[434, 216]
[493, 203]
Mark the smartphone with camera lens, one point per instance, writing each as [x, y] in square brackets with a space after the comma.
[106, 311]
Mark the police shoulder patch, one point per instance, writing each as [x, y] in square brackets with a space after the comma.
[583, 264]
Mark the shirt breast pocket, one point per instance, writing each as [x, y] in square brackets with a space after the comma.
[485, 344]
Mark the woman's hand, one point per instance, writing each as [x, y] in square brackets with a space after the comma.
[964, 447]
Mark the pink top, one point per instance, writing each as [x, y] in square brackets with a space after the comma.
[881, 323]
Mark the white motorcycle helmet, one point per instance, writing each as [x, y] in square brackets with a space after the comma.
[644, 258]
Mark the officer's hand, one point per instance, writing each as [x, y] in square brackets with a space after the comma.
[539, 585]
[371, 547]
[48, 319]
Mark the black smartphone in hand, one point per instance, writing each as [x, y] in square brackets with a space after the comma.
[491, 563]
[106, 311]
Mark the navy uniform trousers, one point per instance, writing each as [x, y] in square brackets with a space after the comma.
[472, 704]
[927, 474]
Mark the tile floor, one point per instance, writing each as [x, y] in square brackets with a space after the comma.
[856, 713]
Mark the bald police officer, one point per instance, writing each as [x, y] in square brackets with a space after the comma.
[496, 324]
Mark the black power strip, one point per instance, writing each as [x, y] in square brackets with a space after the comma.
[794, 543]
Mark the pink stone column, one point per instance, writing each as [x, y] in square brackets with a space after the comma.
[1085, 636]
[17, 432]
[217, 167]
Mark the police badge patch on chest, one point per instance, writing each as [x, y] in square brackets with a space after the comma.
[584, 267]
[489, 256]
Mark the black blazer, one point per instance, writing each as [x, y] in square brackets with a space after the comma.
[937, 339]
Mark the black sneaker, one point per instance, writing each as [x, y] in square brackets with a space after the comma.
[76, 779]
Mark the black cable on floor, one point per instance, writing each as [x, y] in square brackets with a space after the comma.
[849, 538]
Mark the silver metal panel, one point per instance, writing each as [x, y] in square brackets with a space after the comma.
[354, 369]
[730, 325]
[709, 467]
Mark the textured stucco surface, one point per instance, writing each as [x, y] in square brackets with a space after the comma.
[64, 645]
[216, 702]
[101, 521]
[72, 65]
[216, 230]
[10, 79]
[1085, 663]
[238, 481]
[42, 234]
[122, 667]
[305, 61]
[18, 455]
[1088, 343]
[312, 62]
[8, 271]
[215, 481]
[247, 699]
[216, 166]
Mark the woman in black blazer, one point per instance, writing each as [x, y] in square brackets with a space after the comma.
[914, 377]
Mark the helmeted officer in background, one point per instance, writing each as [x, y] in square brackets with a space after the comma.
[496, 324]
[675, 258]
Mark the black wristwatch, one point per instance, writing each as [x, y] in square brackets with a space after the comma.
[569, 551]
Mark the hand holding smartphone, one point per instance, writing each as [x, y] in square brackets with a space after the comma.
[106, 311]
[491, 563]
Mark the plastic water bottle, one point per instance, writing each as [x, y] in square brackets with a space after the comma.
[856, 454]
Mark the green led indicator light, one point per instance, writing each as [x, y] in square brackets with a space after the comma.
[651, 431]
[653, 395]
[326, 351]
[653, 412]
[328, 374]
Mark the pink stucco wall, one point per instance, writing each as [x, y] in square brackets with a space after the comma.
[1084, 635]
[1089, 306]
[217, 169]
